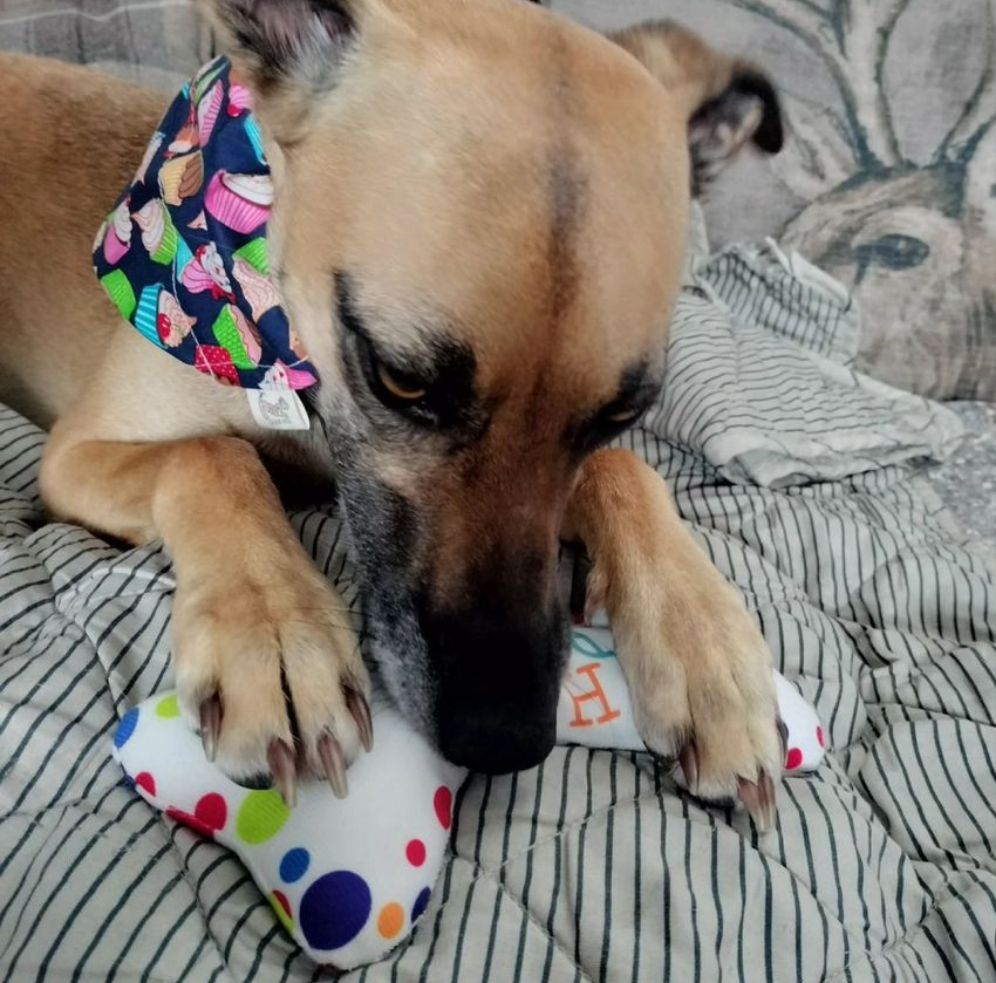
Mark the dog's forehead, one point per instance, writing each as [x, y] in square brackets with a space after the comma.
[525, 178]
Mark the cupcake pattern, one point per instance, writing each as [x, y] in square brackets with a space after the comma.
[183, 254]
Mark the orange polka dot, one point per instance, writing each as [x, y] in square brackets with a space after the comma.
[391, 920]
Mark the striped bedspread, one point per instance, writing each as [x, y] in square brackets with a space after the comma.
[800, 479]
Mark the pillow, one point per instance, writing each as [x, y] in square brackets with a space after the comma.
[886, 179]
[149, 42]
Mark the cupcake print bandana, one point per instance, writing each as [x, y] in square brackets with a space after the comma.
[183, 255]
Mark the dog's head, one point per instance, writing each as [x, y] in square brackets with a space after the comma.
[479, 227]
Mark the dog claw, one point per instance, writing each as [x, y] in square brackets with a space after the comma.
[360, 710]
[210, 714]
[330, 751]
[750, 796]
[280, 758]
[689, 760]
[580, 569]
[768, 800]
[759, 800]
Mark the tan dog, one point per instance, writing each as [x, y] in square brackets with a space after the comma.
[478, 230]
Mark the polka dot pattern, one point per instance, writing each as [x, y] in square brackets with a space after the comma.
[821, 737]
[168, 707]
[261, 816]
[146, 782]
[126, 728]
[442, 802]
[188, 820]
[210, 815]
[212, 811]
[338, 902]
[391, 920]
[334, 910]
[415, 853]
[421, 903]
[793, 759]
[294, 865]
[281, 906]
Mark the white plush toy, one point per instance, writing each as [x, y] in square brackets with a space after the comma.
[348, 878]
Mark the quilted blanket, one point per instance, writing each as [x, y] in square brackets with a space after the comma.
[803, 480]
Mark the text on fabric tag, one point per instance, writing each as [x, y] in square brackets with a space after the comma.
[278, 409]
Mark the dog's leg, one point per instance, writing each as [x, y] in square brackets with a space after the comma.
[264, 654]
[698, 669]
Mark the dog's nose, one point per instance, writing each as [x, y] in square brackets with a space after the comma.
[488, 741]
[499, 679]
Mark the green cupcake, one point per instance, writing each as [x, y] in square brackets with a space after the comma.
[167, 247]
[227, 333]
[119, 289]
[254, 253]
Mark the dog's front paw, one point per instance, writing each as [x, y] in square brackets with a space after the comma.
[703, 691]
[268, 668]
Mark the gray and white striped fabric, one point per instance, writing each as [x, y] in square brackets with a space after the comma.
[800, 479]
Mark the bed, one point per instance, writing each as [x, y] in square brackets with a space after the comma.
[808, 485]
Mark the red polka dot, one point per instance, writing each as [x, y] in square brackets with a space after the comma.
[212, 811]
[820, 737]
[192, 821]
[793, 759]
[443, 803]
[415, 852]
[281, 899]
[144, 780]
[209, 816]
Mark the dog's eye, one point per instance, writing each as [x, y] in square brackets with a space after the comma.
[405, 388]
[604, 426]
[624, 416]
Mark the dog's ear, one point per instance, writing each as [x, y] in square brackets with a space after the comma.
[285, 44]
[729, 102]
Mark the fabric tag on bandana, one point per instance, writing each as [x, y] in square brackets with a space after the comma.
[278, 409]
[184, 256]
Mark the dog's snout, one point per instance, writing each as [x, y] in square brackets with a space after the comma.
[499, 677]
[495, 740]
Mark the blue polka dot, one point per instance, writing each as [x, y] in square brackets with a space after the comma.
[294, 865]
[126, 728]
[421, 903]
[334, 909]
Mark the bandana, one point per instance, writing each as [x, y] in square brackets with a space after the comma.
[184, 254]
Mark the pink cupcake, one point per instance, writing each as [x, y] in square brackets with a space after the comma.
[258, 289]
[206, 272]
[173, 324]
[240, 201]
[117, 238]
[239, 98]
[207, 112]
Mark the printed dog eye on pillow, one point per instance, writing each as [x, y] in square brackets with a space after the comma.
[349, 878]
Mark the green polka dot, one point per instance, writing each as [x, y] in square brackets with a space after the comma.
[168, 707]
[260, 816]
[278, 901]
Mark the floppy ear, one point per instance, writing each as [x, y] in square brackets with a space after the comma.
[729, 102]
[285, 44]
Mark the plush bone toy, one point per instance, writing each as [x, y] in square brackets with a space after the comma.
[348, 878]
